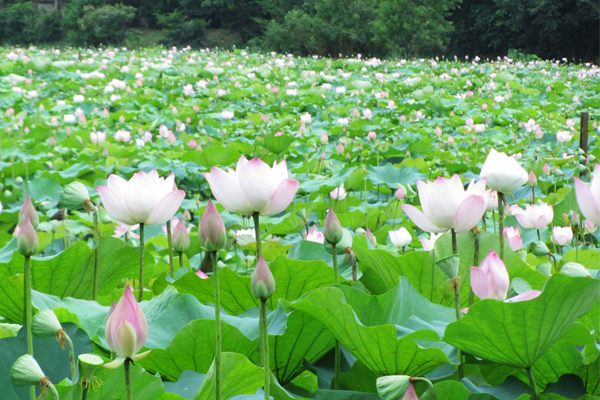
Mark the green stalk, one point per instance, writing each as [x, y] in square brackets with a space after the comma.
[501, 223]
[534, 390]
[475, 263]
[265, 345]
[86, 389]
[456, 287]
[27, 314]
[171, 270]
[52, 389]
[256, 217]
[338, 358]
[217, 325]
[181, 260]
[128, 378]
[96, 253]
[141, 288]
[71, 355]
[415, 379]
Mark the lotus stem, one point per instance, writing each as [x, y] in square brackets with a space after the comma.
[256, 218]
[128, 378]
[171, 269]
[217, 325]
[96, 253]
[71, 354]
[141, 288]
[181, 260]
[52, 389]
[415, 379]
[501, 223]
[534, 390]
[27, 313]
[475, 262]
[265, 345]
[336, 376]
[456, 287]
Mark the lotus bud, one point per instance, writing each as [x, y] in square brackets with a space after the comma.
[201, 274]
[27, 240]
[491, 279]
[532, 181]
[45, 324]
[575, 269]
[332, 229]
[449, 265]
[393, 387]
[262, 280]
[187, 216]
[371, 238]
[181, 239]
[546, 169]
[29, 211]
[589, 227]
[26, 371]
[400, 193]
[212, 233]
[76, 197]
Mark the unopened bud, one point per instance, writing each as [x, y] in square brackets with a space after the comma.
[262, 281]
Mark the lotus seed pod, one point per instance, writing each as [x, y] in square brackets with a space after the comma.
[26, 371]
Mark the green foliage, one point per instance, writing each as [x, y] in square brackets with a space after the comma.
[105, 24]
[182, 31]
[17, 23]
[413, 26]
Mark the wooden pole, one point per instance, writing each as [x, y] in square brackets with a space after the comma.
[583, 137]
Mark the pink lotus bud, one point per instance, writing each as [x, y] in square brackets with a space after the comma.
[105, 152]
[68, 131]
[539, 133]
[212, 233]
[546, 169]
[52, 141]
[262, 281]
[322, 156]
[314, 235]
[171, 139]
[201, 274]
[126, 330]
[532, 181]
[340, 149]
[490, 280]
[27, 240]
[275, 89]
[180, 238]
[513, 236]
[122, 119]
[193, 144]
[302, 128]
[561, 235]
[105, 113]
[450, 140]
[438, 130]
[452, 113]
[470, 93]
[400, 193]
[10, 112]
[324, 138]
[332, 229]
[372, 135]
[187, 216]
[28, 210]
[403, 118]
[371, 238]
[42, 108]
[484, 106]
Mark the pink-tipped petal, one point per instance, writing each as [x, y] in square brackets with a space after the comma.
[523, 220]
[166, 208]
[479, 283]
[258, 183]
[469, 213]
[116, 184]
[113, 205]
[419, 219]
[528, 295]
[115, 364]
[283, 196]
[587, 203]
[226, 189]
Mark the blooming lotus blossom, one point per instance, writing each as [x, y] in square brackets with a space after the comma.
[428, 244]
[122, 135]
[126, 329]
[338, 193]
[564, 136]
[491, 198]
[314, 235]
[145, 198]
[513, 235]
[97, 137]
[561, 235]
[121, 229]
[502, 172]
[490, 280]
[446, 205]
[400, 237]
[306, 118]
[534, 216]
[253, 187]
[226, 114]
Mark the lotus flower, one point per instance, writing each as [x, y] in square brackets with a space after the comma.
[332, 228]
[27, 239]
[503, 173]
[28, 210]
[534, 217]
[588, 197]
[146, 198]
[561, 235]
[491, 198]
[253, 187]
[446, 205]
[490, 280]
[121, 229]
[339, 193]
[126, 329]
[400, 237]
[428, 244]
[212, 233]
[314, 235]
[262, 280]
[513, 236]
[177, 221]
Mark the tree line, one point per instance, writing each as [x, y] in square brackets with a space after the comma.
[383, 28]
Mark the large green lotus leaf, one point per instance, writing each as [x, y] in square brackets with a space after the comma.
[278, 144]
[359, 379]
[213, 156]
[392, 176]
[193, 348]
[52, 359]
[144, 386]
[293, 278]
[590, 375]
[518, 334]
[238, 376]
[378, 347]
[70, 273]
[325, 185]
